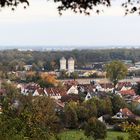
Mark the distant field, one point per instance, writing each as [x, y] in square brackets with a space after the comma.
[79, 135]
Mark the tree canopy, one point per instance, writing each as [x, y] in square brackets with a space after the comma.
[81, 6]
[116, 71]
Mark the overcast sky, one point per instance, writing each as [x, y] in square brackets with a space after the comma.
[40, 24]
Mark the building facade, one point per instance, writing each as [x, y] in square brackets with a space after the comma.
[70, 65]
[62, 64]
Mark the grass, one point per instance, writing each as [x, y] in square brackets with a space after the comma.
[79, 135]
[112, 135]
[73, 135]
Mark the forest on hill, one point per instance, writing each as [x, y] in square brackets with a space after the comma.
[50, 59]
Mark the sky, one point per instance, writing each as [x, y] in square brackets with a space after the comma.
[40, 25]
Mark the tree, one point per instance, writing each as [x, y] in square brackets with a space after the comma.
[81, 6]
[116, 71]
[133, 130]
[47, 80]
[63, 74]
[27, 116]
[70, 113]
[137, 89]
[117, 103]
[90, 105]
[95, 129]
[104, 106]
[74, 75]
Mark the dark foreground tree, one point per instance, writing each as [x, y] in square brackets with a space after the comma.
[70, 114]
[95, 129]
[81, 6]
[137, 89]
[27, 117]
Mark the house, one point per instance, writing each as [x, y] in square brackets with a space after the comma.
[123, 114]
[55, 93]
[27, 67]
[72, 90]
[29, 88]
[124, 86]
[126, 112]
[107, 87]
[98, 88]
[89, 96]
[59, 106]
[101, 119]
[39, 92]
[130, 92]
[19, 86]
[136, 99]
[70, 97]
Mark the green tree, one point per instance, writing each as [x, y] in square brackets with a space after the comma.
[117, 103]
[63, 74]
[137, 89]
[70, 113]
[133, 131]
[74, 75]
[27, 116]
[95, 129]
[104, 106]
[90, 105]
[116, 71]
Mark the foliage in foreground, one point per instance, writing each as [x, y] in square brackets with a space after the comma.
[27, 117]
[95, 129]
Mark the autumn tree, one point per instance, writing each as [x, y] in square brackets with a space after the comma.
[116, 71]
[47, 80]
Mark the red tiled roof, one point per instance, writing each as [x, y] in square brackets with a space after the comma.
[71, 83]
[55, 91]
[60, 104]
[128, 92]
[107, 85]
[41, 91]
[126, 112]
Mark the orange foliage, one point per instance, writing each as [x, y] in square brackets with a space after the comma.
[49, 78]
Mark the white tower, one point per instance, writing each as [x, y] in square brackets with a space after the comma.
[62, 63]
[70, 64]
